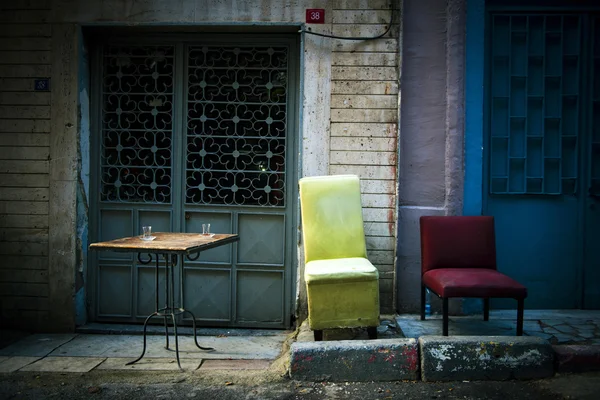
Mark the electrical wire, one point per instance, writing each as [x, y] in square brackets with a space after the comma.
[359, 37]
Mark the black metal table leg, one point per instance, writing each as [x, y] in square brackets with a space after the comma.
[154, 314]
[171, 262]
[195, 335]
[167, 300]
[169, 310]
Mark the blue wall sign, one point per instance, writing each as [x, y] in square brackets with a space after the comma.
[41, 85]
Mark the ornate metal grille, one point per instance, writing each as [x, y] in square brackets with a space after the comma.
[137, 124]
[535, 75]
[236, 131]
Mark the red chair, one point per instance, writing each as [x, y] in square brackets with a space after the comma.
[458, 259]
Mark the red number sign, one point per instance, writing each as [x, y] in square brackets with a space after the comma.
[315, 16]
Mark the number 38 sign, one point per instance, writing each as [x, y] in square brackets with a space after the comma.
[315, 16]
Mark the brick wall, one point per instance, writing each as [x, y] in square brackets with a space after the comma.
[364, 121]
[25, 42]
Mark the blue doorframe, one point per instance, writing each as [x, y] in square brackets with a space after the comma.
[474, 103]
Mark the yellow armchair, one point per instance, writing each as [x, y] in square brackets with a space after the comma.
[342, 285]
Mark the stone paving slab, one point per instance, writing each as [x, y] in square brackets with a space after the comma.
[450, 358]
[128, 329]
[39, 345]
[415, 328]
[235, 364]
[552, 328]
[130, 346]
[12, 364]
[64, 364]
[149, 364]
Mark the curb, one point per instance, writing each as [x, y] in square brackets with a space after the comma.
[576, 358]
[436, 358]
[355, 360]
[445, 358]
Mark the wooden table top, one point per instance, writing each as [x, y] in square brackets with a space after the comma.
[167, 242]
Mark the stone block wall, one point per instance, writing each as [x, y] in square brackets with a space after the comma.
[365, 78]
[25, 54]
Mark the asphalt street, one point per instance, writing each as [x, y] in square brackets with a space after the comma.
[222, 385]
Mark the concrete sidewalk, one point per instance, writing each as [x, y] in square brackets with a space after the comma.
[87, 352]
[580, 327]
[404, 341]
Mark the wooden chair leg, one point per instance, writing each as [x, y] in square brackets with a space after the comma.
[372, 332]
[486, 309]
[318, 335]
[422, 302]
[445, 313]
[520, 309]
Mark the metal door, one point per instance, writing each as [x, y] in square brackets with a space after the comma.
[541, 156]
[191, 133]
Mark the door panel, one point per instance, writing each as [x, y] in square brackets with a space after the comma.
[114, 298]
[194, 133]
[537, 245]
[259, 295]
[236, 166]
[534, 139]
[208, 293]
[264, 239]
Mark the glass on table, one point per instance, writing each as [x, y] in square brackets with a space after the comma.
[206, 229]
[146, 232]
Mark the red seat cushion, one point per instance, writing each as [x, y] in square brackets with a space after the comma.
[473, 282]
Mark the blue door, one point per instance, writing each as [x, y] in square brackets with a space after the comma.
[543, 154]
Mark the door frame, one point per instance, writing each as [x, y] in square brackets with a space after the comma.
[278, 35]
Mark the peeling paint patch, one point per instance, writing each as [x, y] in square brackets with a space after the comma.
[474, 358]
[443, 352]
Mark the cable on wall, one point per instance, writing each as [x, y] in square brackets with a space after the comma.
[355, 38]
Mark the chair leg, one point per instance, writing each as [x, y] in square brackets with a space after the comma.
[372, 332]
[486, 309]
[445, 313]
[318, 335]
[520, 308]
[422, 302]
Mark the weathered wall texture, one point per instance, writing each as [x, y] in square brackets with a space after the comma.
[349, 124]
[25, 43]
[364, 123]
[431, 166]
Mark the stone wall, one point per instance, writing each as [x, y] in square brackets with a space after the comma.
[25, 54]
[431, 167]
[364, 122]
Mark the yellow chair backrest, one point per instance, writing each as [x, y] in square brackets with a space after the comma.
[332, 224]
